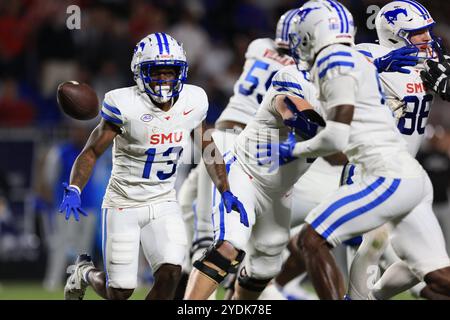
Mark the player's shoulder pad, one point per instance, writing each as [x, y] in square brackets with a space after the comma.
[335, 60]
[197, 97]
[114, 104]
[290, 80]
[372, 50]
[258, 47]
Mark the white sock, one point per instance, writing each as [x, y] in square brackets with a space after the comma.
[364, 270]
[396, 279]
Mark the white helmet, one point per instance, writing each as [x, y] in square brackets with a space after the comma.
[397, 19]
[284, 27]
[318, 24]
[159, 49]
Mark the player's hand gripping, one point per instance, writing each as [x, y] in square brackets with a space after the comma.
[231, 202]
[395, 60]
[71, 202]
[277, 153]
[436, 74]
[305, 123]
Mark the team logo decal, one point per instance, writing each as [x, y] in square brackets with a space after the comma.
[146, 117]
[304, 12]
[392, 15]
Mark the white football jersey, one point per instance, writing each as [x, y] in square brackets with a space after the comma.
[262, 62]
[345, 76]
[267, 127]
[145, 154]
[408, 88]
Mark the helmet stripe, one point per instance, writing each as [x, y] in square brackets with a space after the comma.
[339, 14]
[166, 42]
[416, 5]
[286, 23]
[425, 11]
[158, 38]
[344, 14]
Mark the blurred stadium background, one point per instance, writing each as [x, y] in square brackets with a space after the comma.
[38, 51]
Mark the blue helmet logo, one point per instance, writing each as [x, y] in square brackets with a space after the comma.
[392, 15]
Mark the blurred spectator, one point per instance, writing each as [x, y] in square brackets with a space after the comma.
[146, 18]
[195, 40]
[435, 158]
[15, 111]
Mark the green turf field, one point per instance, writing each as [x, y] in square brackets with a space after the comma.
[34, 291]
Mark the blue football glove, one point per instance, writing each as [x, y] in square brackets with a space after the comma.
[305, 123]
[71, 203]
[395, 60]
[231, 202]
[277, 153]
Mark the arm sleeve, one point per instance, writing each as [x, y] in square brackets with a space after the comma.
[334, 138]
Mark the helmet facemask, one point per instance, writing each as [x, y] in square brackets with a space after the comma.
[429, 53]
[163, 89]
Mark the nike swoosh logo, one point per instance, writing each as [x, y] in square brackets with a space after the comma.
[187, 112]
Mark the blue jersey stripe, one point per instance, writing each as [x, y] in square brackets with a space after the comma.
[346, 200]
[112, 108]
[160, 46]
[335, 64]
[339, 53]
[366, 53]
[357, 212]
[284, 89]
[286, 23]
[221, 205]
[287, 84]
[166, 42]
[222, 221]
[339, 14]
[351, 172]
[110, 119]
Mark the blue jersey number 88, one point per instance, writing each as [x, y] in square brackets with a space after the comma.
[415, 119]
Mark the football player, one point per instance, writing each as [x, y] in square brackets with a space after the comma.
[148, 124]
[264, 57]
[400, 25]
[392, 186]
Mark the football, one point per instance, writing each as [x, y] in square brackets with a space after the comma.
[78, 100]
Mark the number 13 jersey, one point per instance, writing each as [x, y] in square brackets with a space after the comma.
[146, 153]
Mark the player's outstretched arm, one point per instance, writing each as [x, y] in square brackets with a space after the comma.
[99, 140]
[215, 166]
[334, 138]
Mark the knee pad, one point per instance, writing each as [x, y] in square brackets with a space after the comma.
[277, 244]
[123, 246]
[199, 245]
[213, 256]
[263, 266]
[122, 281]
[252, 284]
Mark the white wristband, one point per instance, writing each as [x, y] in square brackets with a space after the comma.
[76, 188]
[332, 139]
